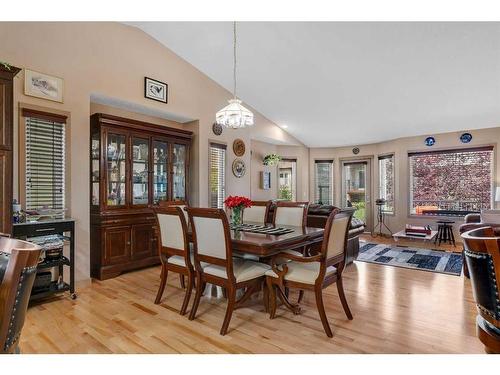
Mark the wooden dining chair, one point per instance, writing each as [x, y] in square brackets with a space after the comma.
[214, 262]
[174, 250]
[482, 254]
[18, 264]
[315, 272]
[258, 213]
[182, 204]
[290, 213]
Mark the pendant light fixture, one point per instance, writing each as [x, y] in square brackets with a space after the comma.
[234, 115]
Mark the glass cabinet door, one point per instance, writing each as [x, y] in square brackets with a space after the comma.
[116, 160]
[140, 170]
[95, 153]
[160, 171]
[179, 172]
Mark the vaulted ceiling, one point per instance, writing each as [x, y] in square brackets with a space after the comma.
[336, 84]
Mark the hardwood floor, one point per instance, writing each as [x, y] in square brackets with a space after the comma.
[395, 310]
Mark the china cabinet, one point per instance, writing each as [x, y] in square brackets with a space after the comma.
[7, 74]
[133, 166]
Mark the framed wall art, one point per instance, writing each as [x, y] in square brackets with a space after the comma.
[43, 86]
[265, 180]
[155, 90]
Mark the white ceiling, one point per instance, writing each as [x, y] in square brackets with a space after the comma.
[337, 84]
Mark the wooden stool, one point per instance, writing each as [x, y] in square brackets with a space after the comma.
[445, 232]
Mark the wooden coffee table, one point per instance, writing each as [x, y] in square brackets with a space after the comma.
[402, 234]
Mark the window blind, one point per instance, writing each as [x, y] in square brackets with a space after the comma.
[217, 175]
[386, 181]
[323, 181]
[45, 163]
[451, 180]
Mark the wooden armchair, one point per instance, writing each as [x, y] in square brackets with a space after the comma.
[214, 262]
[314, 272]
[482, 254]
[18, 263]
[174, 250]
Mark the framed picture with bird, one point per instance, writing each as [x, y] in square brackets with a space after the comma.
[155, 90]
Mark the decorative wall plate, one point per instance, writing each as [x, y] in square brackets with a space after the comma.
[430, 141]
[466, 137]
[355, 150]
[217, 128]
[239, 168]
[239, 147]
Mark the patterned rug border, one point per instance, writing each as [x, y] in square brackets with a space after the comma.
[409, 268]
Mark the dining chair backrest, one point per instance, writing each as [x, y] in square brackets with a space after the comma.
[334, 247]
[18, 265]
[257, 213]
[211, 237]
[290, 213]
[182, 204]
[172, 226]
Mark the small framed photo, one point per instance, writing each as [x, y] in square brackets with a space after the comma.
[155, 90]
[43, 86]
[265, 180]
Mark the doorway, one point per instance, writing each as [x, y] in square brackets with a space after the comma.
[356, 189]
[287, 174]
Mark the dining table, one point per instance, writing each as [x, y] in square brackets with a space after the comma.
[265, 245]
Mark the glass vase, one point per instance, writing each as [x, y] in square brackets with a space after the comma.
[237, 216]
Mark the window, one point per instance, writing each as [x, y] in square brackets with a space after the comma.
[217, 175]
[45, 162]
[287, 171]
[323, 177]
[386, 182]
[452, 182]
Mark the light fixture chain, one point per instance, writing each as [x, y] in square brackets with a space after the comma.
[234, 55]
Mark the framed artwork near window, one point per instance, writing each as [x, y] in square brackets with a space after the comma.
[43, 86]
[155, 90]
[265, 180]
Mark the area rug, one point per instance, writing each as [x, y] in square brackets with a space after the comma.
[415, 258]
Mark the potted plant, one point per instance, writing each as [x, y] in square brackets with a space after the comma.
[271, 159]
[237, 205]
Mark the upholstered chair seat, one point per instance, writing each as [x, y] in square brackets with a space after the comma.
[243, 270]
[179, 260]
[306, 273]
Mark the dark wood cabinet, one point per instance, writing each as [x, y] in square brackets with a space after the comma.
[6, 139]
[116, 245]
[143, 238]
[133, 166]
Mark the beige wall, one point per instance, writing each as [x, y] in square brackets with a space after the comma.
[401, 147]
[112, 59]
[261, 149]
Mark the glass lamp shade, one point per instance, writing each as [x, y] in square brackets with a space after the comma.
[234, 115]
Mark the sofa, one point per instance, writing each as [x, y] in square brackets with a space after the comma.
[488, 218]
[317, 215]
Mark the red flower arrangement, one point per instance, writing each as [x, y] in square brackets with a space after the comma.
[237, 202]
